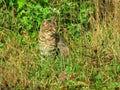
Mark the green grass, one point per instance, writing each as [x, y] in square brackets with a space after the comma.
[91, 30]
[87, 68]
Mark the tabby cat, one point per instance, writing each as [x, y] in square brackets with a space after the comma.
[50, 41]
[64, 50]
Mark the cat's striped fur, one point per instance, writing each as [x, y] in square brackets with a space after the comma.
[49, 40]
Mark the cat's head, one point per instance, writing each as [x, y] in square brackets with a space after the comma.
[49, 26]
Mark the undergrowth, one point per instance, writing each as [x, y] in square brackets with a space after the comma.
[90, 29]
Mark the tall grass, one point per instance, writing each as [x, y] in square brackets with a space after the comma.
[91, 30]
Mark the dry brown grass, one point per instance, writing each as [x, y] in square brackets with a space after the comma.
[94, 61]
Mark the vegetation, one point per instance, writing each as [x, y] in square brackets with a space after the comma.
[91, 29]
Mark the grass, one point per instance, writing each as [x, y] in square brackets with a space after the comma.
[93, 63]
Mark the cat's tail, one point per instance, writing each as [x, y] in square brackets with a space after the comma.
[63, 48]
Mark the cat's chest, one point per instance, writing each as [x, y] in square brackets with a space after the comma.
[47, 36]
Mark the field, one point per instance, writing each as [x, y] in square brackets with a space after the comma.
[90, 29]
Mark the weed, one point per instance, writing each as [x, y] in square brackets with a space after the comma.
[91, 29]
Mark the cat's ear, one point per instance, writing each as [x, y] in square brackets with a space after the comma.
[55, 19]
[44, 21]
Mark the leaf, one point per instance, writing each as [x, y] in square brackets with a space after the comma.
[46, 1]
[68, 69]
[99, 76]
[118, 68]
[38, 6]
[1, 45]
[21, 3]
[11, 2]
[46, 12]
[1, 1]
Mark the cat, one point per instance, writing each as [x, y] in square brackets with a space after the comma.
[50, 41]
[61, 45]
[47, 41]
